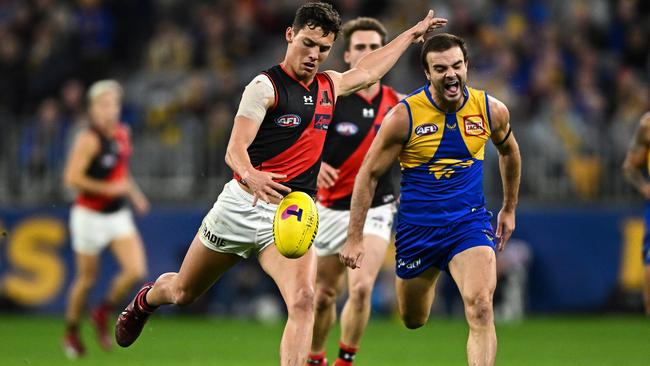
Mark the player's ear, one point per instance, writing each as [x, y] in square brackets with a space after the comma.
[346, 57]
[289, 34]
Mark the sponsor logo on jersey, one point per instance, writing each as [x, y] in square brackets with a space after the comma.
[368, 113]
[292, 210]
[108, 160]
[347, 128]
[322, 121]
[288, 120]
[426, 129]
[474, 125]
[409, 265]
[308, 99]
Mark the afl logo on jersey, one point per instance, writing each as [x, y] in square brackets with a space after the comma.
[288, 120]
[426, 129]
[347, 129]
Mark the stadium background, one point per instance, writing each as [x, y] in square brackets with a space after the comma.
[573, 73]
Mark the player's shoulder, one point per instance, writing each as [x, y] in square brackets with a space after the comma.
[497, 110]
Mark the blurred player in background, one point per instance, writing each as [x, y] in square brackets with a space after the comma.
[636, 168]
[355, 123]
[97, 168]
[275, 147]
[439, 133]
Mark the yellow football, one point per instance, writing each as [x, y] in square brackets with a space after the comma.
[295, 224]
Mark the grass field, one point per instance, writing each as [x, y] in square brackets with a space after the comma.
[204, 341]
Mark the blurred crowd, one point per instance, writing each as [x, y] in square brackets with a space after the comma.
[574, 75]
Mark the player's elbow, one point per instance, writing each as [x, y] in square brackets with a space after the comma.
[70, 180]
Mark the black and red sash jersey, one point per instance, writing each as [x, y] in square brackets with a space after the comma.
[110, 164]
[354, 126]
[291, 137]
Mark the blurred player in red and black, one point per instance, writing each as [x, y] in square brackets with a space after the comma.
[275, 147]
[356, 121]
[97, 167]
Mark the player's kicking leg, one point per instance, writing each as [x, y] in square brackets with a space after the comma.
[296, 279]
[474, 271]
[329, 284]
[200, 269]
[356, 311]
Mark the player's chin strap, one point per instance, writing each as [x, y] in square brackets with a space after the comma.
[505, 138]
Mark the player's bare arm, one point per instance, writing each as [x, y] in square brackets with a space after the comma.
[327, 175]
[380, 157]
[256, 99]
[637, 157]
[137, 197]
[373, 66]
[510, 167]
[84, 149]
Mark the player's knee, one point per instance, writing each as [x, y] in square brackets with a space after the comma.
[135, 275]
[479, 310]
[325, 297]
[414, 321]
[360, 293]
[302, 302]
[86, 281]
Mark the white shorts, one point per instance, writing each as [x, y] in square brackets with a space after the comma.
[333, 227]
[234, 226]
[92, 231]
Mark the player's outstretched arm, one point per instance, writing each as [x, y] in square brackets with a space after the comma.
[510, 167]
[637, 157]
[380, 157]
[257, 98]
[373, 66]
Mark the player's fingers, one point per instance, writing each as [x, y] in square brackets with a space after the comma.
[255, 200]
[279, 187]
[277, 176]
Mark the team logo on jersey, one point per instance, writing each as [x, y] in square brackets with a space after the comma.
[347, 128]
[426, 129]
[445, 168]
[308, 99]
[325, 98]
[368, 113]
[288, 120]
[474, 125]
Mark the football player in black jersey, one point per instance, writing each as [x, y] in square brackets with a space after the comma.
[289, 105]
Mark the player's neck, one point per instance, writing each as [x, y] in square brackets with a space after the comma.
[449, 107]
[292, 74]
[370, 92]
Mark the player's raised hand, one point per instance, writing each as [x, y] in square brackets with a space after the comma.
[426, 25]
[264, 185]
[327, 175]
[505, 227]
[352, 254]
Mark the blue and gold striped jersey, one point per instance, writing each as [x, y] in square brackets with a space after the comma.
[442, 160]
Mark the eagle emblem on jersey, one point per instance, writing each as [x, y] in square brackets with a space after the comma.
[445, 168]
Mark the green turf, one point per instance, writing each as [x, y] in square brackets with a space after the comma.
[206, 341]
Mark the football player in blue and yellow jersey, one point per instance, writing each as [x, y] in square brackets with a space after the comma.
[439, 133]
[637, 168]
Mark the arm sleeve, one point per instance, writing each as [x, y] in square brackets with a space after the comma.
[257, 97]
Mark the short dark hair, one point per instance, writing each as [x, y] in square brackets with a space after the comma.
[315, 15]
[442, 42]
[363, 24]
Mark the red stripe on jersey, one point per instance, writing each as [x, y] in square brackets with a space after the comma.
[350, 168]
[119, 171]
[307, 150]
